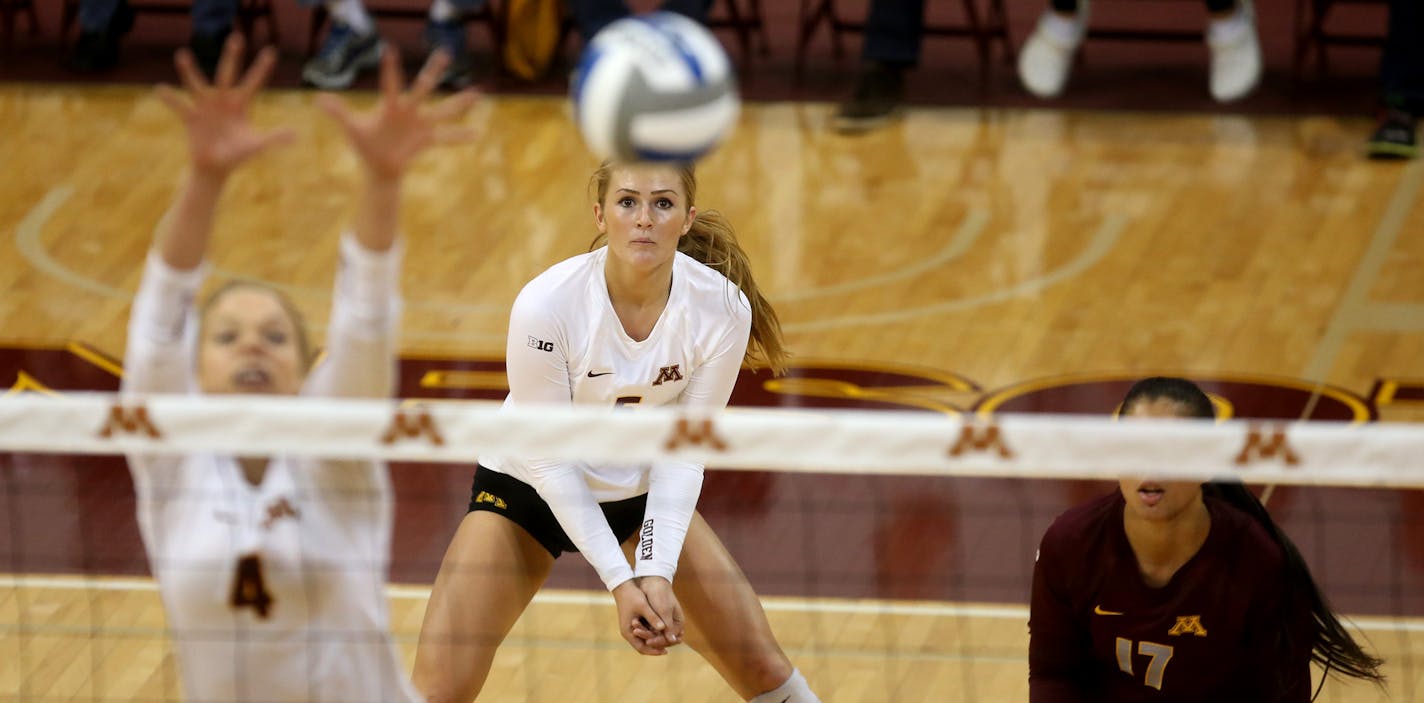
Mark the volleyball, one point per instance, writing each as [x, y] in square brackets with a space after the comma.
[656, 87]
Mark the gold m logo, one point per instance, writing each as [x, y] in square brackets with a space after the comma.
[1188, 625]
[1263, 447]
[123, 420]
[412, 426]
[669, 374]
[687, 433]
[978, 438]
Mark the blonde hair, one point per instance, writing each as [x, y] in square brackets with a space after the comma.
[712, 241]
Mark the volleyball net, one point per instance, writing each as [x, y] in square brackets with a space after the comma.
[893, 550]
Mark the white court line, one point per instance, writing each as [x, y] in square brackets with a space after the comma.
[1347, 317]
[28, 241]
[784, 604]
[1104, 239]
[964, 237]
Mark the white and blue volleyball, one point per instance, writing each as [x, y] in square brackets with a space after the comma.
[656, 87]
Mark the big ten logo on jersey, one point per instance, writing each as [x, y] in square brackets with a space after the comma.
[541, 345]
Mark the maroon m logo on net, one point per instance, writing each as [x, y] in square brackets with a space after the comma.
[412, 426]
[978, 437]
[687, 433]
[122, 420]
[1260, 446]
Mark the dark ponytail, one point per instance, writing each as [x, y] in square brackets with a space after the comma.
[1332, 646]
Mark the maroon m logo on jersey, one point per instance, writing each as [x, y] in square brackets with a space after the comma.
[669, 374]
[278, 510]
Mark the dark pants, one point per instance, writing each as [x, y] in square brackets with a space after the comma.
[1402, 66]
[210, 17]
[893, 31]
[593, 15]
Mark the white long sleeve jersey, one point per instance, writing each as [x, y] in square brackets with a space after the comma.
[274, 592]
[567, 345]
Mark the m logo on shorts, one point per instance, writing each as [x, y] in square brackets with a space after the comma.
[1266, 448]
[973, 437]
[412, 426]
[123, 420]
[1188, 625]
[492, 499]
[686, 433]
[668, 374]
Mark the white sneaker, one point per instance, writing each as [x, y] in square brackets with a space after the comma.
[1235, 54]
[1047, 56]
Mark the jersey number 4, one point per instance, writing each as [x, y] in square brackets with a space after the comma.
[1156, 669]
[248, 588]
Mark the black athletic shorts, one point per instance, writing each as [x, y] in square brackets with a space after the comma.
[518, 501]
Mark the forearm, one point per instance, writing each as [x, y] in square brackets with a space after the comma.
[582, 519]
[672, 499]
[183, 234]
[378, 214]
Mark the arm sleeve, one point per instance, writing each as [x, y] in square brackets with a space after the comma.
[362, 338]
[1059, 649]
[538, 375]
[158, 358]
[673, 486]
[362, 334]
[162, 330]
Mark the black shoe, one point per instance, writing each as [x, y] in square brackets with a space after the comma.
[207, 51]
[879, 90]
[99, 51]
[343, 56]
[1394, 136]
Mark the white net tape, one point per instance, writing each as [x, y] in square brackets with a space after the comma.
[1037, 446]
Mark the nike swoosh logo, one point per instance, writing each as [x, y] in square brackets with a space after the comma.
[596, 375]
[1098, 610]
[784, 700]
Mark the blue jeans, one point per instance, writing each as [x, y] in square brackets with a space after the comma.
[210, 17]
[593, 15]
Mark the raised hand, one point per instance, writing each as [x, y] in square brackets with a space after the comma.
[389, 136]
[220, 135]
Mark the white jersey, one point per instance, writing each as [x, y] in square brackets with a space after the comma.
[274, 592]
[567, 345]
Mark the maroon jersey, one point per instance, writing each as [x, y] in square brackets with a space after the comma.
[1099, 634]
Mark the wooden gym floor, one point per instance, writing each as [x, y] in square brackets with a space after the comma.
[994, 259]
